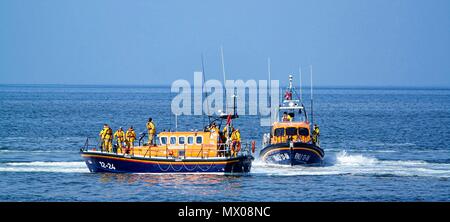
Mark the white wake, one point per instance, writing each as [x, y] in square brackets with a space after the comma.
[57, 167]
[343, 163]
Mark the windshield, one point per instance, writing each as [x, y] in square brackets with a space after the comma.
[291, 131]
[303, 131]
[279, 132]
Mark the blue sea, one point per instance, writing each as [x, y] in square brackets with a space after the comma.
[381, 144]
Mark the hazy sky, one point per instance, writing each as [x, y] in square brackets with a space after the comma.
[348, 42]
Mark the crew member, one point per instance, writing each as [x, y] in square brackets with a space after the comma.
[225, 132]
[130, 137]
[236, 141]
[107, 138]
[316, 134]
[119, 135]
[289, 117]
[102, 136]
[151, 130]
[214, 128]
[285, 117]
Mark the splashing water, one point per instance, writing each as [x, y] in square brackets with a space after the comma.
[39, 166]
[343, 163]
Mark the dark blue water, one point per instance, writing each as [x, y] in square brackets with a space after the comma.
[381, 145]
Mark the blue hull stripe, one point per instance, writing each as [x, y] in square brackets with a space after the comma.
[301, 154]
[118, 164]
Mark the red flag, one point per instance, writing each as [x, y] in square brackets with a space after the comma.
[228, 119]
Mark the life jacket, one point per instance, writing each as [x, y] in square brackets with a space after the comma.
[102, 133]
[236, 136]
[316, 131]
[131, 135]
[225, 132]
[151, 127]
[215, 129]
[120, 135]
[108, 133]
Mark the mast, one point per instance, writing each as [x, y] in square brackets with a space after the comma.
[234, 104]
[290, 83]
[206, 93]
[269, 84]
[223, 64]
[268, 71]
[312, 110]
[300, 86]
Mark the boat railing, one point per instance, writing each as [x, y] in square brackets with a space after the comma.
[141, 137]
[89, 145]
[205, 151]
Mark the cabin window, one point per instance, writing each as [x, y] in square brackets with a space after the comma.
[303, 131]
[181, 140]
[279, 132]
[163, 140]
[173, 140]
[291, 131]
[157, 140]
[191, 140]
[199, 140]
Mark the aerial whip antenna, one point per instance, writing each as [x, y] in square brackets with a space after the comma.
[206, 92]
[223, 65]
[300, 86]
[312, 110]
[269, 84]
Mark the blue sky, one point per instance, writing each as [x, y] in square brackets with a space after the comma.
[348, 42]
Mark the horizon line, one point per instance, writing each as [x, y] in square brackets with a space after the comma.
[169, 85]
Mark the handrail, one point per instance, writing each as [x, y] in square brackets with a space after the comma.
[88, 145]
[142, 136]
[204, 151]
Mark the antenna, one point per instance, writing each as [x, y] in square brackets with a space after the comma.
[234, 104]
[300, 86]
[223, 65]
[269, 84]
[312, 111]
[206, 93]
[268, 70]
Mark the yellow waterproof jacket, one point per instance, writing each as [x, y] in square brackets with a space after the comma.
[131, 135]
[151, 127]
[102, 133]
[316, 131]
[236, 136]
[119, 135]
[108, 134]
[215, 129]
[289, 118]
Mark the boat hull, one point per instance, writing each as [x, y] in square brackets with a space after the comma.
[114, 163]
[298, 154]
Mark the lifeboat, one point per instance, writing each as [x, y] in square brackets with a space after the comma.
[206, 151]
[290, 141]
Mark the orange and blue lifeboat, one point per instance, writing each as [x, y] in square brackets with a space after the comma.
[290, 144]
[175, 152]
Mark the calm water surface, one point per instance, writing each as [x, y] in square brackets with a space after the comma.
[380, 144]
